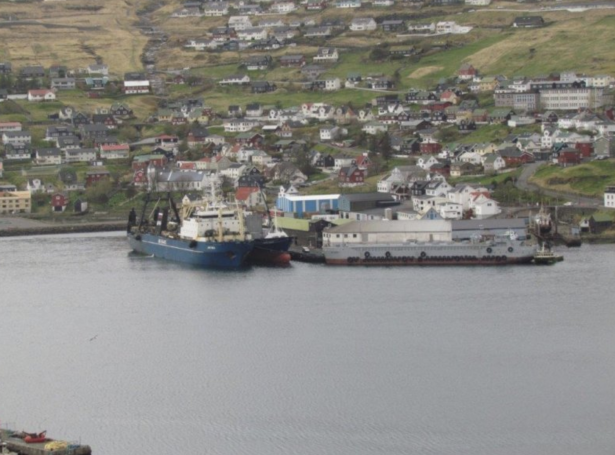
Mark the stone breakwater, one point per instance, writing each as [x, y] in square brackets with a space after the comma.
[62, 229]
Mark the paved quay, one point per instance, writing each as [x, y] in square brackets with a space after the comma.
[18, 226]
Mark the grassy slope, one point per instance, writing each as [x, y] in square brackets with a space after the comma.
[114, 40]
[587, 179]
[573, 41]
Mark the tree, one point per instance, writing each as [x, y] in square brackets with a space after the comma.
[128, 133]
[183, 145]
[379, 52]
[362, 139]
[99, 192]
[384, 146]
[302, 161]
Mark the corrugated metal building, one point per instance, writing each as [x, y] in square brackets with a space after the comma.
[357, 202]
[301, 205]
[385, 231]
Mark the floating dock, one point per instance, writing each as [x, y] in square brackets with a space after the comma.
[13, 443]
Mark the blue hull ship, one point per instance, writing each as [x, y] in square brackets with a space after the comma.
[208, 254]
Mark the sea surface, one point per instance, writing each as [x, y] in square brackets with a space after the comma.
[135, 355]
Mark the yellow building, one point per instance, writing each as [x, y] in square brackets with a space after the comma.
[15, 202]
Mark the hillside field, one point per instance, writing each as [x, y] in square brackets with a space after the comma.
[587, 179]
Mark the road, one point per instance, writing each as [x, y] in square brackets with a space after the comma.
[523, 184]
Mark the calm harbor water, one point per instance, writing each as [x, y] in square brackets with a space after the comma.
[141, 356]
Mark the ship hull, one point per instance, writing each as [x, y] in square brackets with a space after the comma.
[429, 254]
[271, 251]
[214, 255]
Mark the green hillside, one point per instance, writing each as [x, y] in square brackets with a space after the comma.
[588, 179]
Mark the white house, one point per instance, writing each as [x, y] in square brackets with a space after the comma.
[136, 87]
[327, 54]
[423, 203]
[10, 126]
[362, 24]
[80, 155]
[95, 68]
[463, 194]
[16, 137]
[283, 7]
[330, 133]
[426, 161]
[215, 9]
[450, 210]
[252, 33]
[451, 27]
[437, 188]
[348, 4]
[35, 186]
[470, 156]
[484, 207]
[493, 163]
[234, 171]
[260, 158]
[239, 22]
[235, 79]
[249, 196]
[374, 127]
[48, 156]
[41, 95]
[422, 28]
[238, 125]
[609, 197]
[343, 161]
[185, 180]
[332, 84]
[114, 151]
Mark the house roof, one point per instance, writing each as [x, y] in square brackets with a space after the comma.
[40, 92]
[182, 176]
[392, 226]
[368, 197]
[486, 225]
[114, 147]
[244, 192]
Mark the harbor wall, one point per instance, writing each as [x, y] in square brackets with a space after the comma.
[64, 229]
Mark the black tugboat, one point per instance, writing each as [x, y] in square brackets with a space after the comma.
[546, 256]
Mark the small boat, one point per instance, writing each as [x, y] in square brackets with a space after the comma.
[33, 438]
[546, 256]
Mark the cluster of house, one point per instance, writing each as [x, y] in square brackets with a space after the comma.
[79, 138]
[430, 197]
[224, 8]
[241, 33]
[567, 137]
[215, 8]
[51, 80]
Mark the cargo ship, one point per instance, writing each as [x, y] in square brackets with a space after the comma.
[420, 242]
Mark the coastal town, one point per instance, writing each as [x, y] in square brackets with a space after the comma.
[468, 145]
[187, 187]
